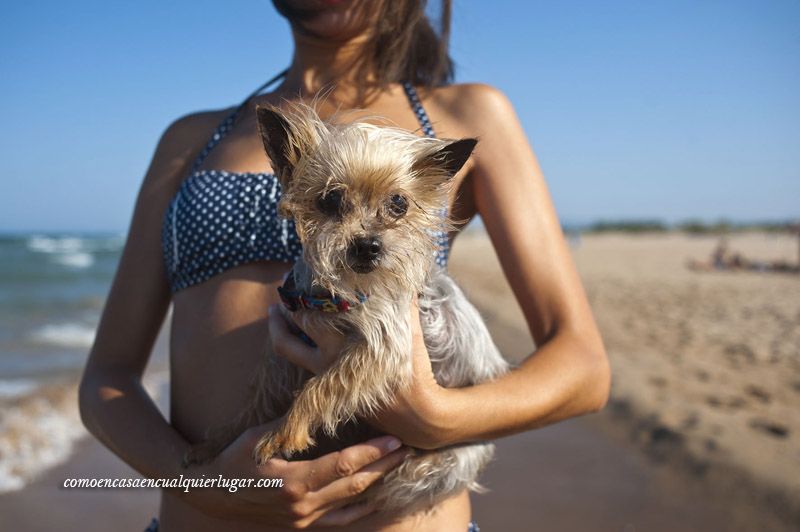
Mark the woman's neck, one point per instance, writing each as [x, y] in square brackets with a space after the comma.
[322, 65]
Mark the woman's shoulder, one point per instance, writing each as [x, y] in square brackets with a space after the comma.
[472, 99]
[478, 108]
[193, 129]
[181, 141]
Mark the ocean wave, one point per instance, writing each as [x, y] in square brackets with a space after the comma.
[38, 430]
[46, 244]
[75, 260]
[74, 335]
[74, 244]
[72, 252]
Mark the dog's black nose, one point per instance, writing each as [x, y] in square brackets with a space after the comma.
[367, 249]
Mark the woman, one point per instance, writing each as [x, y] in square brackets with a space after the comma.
[221, 271]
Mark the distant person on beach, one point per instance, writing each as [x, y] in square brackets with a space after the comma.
[206, 239]
[722, 259]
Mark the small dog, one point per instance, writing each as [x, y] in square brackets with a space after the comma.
[365, 201]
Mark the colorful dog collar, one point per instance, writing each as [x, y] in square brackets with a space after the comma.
[294, 299]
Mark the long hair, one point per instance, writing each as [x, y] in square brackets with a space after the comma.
[406, 47]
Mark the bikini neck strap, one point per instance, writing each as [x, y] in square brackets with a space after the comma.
[226, 125]
[419, 110]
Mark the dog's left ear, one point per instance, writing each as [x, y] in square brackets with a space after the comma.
[275, 131]
[448, 159]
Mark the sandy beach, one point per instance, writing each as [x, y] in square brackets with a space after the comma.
[701, 432]
[706, 372]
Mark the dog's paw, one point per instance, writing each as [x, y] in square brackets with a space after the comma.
[268, 446]
[274, 443]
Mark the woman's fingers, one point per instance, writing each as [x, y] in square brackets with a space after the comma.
[306, 476]
[343, 491]
[345, 463]
[316, 359]
[318, 491]
[289, 346]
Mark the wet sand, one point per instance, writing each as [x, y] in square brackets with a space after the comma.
[635, 466]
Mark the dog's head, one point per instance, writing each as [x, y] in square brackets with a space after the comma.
[366, 200]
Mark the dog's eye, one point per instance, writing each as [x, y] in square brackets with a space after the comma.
[332, 203]
[397, 205]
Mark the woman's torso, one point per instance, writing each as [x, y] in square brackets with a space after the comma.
[218, 329]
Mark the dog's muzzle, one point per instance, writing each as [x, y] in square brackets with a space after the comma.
[365, 254]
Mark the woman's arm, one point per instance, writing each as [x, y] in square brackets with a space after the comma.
[118, 411]
[114, 406]
[568, 375]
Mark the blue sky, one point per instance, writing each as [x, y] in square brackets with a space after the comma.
[661, 109]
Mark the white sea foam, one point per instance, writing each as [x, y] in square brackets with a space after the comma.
[36, 434]
[72, 252]
[45, 244]
[39, 430]
[74, 244]
[75, 260]
[74, 335]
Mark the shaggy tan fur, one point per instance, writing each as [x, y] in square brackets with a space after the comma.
[369, 168]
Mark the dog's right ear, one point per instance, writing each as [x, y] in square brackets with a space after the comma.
[446, 160]
[275, 133]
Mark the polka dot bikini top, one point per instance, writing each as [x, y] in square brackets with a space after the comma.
[218, 220]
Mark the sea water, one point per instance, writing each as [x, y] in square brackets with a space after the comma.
[52, 292]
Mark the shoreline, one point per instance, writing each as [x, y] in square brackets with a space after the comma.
[85, 509]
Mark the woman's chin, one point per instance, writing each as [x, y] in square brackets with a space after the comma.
[333, 24]
[337, 20]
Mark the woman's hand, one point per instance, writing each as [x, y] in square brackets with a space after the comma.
[418, 414]
[314, 492]
[291, 347]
